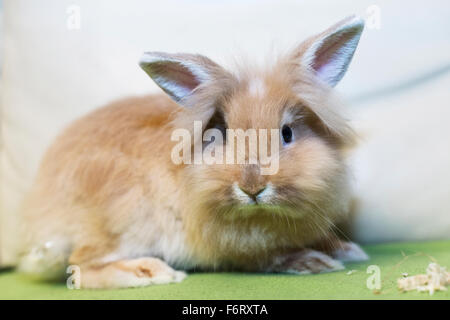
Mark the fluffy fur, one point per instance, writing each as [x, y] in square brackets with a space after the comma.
[109, 199]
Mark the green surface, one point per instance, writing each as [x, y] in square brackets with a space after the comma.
[338, 285]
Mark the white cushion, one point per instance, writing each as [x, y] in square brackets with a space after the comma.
[402, 167]
[52, 75]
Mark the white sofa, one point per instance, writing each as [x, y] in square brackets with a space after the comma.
[397, 88]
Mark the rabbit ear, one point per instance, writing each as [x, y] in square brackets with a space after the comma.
[179, 74]
[330, 52]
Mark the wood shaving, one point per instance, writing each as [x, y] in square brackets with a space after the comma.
[435, 279]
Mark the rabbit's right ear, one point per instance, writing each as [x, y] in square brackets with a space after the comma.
[179, 75]
[329, 53]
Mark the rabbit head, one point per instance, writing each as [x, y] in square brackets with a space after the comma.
[291, 100]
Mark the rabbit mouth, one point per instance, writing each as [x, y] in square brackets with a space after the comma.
[263, 197]
[286, 200]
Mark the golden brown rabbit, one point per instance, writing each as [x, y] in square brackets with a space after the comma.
[110, 199]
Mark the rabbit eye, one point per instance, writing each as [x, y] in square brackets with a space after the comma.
[222, 129]
[286, 132]
[217, 121]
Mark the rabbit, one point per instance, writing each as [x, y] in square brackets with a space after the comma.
[109, 199]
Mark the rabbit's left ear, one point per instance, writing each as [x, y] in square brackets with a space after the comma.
[329, 53]
[179, 75]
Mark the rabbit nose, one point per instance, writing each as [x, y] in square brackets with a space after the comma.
[253, 192]
[251, 182]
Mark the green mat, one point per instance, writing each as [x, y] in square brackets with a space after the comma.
[392, 259]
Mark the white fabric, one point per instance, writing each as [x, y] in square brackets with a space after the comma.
[402, 168]
[52, 74]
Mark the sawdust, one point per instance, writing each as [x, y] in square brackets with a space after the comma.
[435, 279]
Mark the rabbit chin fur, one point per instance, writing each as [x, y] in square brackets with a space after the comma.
[108, 189]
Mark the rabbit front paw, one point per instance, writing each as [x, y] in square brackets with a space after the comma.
[130, 273]
[349, 252]
[306, 261]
